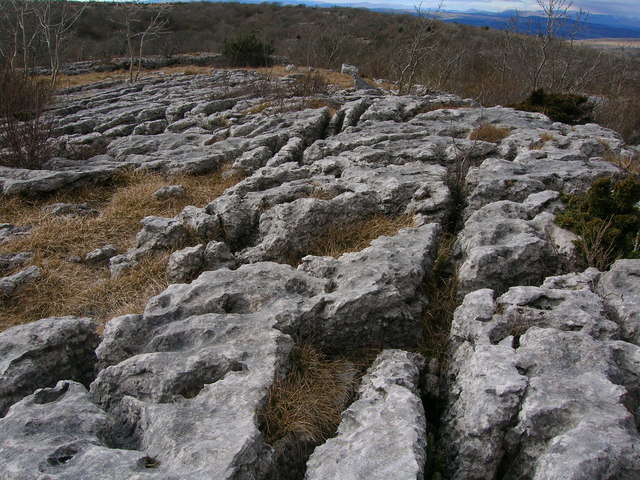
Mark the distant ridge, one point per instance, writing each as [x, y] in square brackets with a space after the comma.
[598, 25]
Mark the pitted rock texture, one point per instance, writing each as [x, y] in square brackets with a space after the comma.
[543, 381]
[41, 353]
[541, 386]
[382, 434]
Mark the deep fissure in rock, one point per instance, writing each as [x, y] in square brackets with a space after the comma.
[304, 409]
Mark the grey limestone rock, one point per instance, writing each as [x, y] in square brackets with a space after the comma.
[195, 345]
[507, 243]
[539, 382]
[59, 432]
[254, 159]
[170, 191]
[14, 181]
[543, 381]
[375, 295]
[9, 231]
[11, 261]
[101, 254]
[39, 354]
[620, 288]
[160, 233]
[348, 69]
[12, 284]
[71, 210]
[382, 435]
[186, 264]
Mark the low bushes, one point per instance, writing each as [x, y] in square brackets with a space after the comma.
[26, 136]
[248, 51]
[606, 220]
[567, 108]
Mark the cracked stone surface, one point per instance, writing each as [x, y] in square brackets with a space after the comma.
[540, 386]
[544, 377]
[383, 433]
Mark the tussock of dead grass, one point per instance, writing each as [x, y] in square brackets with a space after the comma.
[356, 236]
[70, 288]
[489, 133]
[441, 291]
[544, 138]
[308, 402]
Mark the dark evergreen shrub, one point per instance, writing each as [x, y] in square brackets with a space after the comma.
[569, 108]
[606, 220]
[248, 51]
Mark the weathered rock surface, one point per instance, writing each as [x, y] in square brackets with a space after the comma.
[101, 254]
[41, 353]
[382, 434]
[544, 382]
[620, 288]
[540, 387]
[11, 261]
[70, 210]
[60, 432]
[12, 284]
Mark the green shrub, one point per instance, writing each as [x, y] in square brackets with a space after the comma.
[248, 51]
[567, 108]
[606, 220]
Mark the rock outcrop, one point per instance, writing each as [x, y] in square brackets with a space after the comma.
[543, 379]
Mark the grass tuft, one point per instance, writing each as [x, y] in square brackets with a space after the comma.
[441, 290]
[544, 138]
[356, 236]
[308, 402]
[628, 163]
[489, 133]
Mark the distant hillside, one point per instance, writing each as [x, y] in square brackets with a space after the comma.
[596, 25]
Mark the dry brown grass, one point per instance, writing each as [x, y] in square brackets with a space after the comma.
[441, 290]
[70, 288]
[308, 402]
[66, 81]
[358, 235]
[321, 194]
[544, 138]
[329, 76]
[630, 164]
[489, 133]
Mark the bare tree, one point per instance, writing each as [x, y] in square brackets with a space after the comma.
[21, 32]
[139, 28]
[549, 61]
[417, 42]
[56, 18]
